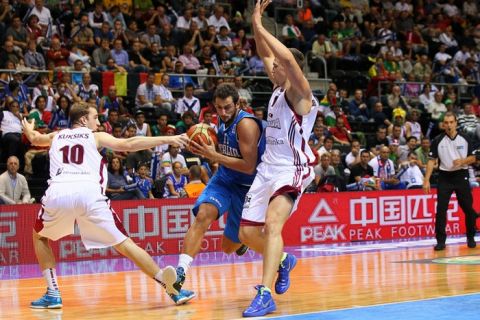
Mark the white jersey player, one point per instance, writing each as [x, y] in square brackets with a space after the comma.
[286, 167]
[76, 195]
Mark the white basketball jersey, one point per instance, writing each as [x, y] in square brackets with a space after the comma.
[74, 158]
[287, 132]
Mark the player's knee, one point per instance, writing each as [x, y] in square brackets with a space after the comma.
[273, 227]
[204, 219]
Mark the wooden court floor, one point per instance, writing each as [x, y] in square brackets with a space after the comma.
[331, 281]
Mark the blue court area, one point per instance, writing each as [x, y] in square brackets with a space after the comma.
[445, 308]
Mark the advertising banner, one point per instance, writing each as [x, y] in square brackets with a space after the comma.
[159, 226]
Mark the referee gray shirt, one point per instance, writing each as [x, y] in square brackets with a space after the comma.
[447, 149]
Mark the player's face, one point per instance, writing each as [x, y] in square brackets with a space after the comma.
[278, 73]
[226, 108]
[92, 120]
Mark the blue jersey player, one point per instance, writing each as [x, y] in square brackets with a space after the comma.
[240, 145]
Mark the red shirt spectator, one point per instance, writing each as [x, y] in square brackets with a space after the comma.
[57, 54]
[340, 133]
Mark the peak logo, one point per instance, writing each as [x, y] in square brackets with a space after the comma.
[328, 231]
[322, 213]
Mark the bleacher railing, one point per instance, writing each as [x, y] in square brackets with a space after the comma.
[463, 91]
[315, 82]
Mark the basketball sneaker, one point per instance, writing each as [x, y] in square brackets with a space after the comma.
[183, 297]
[242, 250]
[50, 300]
[283, 280]
[173, 279]
[262, 304]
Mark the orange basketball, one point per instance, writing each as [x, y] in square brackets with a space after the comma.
[202, 132]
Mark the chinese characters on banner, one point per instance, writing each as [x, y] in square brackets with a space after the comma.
[159, 226]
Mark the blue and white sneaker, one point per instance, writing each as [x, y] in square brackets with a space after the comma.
[173, 279]
[283, 280]
[262, 304]
[183, 297]
[50, 300]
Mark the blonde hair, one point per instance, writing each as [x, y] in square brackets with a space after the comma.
[78, 110]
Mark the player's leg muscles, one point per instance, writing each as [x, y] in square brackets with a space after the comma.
[43, 251]
[253, 237]
[207, 214]
[277, 214]
[140, 257]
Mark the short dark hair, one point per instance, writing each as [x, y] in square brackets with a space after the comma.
[381, 127]
[328, 138]
[410, 138]
[225, 90]
[195, 172]
[364, 151]
[299, 57]
[450, 114]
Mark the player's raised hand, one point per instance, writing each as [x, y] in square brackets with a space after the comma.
[260, 7]
[182, 140]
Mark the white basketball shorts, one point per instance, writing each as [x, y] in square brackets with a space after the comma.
[82, 202]
[270, 182]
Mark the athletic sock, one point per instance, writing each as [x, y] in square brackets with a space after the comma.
[159, 276]
[284, 256]
[50, 275]
[185, 261]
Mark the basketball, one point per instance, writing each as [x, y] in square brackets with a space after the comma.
[202, 132]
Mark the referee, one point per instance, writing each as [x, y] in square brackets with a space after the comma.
[454, 153]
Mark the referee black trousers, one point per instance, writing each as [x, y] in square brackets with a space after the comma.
[448, 182]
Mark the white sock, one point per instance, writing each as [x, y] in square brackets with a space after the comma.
[159, 276]
[50, 275]
[284, 256]
[185, 261]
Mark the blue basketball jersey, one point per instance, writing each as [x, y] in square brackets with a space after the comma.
[228, 146]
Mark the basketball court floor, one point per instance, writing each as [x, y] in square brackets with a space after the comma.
[385, 280]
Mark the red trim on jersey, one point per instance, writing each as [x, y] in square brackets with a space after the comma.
[298, 117]
[291, 140]
[38, 226]
[249, 223]
[310, 162]
[118, 223]
[291, 191]
[102, 165]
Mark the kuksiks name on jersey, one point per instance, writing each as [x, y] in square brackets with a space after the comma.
[73, 136]
[229, 151]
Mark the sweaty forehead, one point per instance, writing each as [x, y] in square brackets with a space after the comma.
[219, 102]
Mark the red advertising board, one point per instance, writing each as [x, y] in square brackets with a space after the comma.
[159, 226]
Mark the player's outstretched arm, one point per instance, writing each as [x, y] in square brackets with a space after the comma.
[104, 139]
[35, 137]
[300, 94]
[248, 135]
[262, 48]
